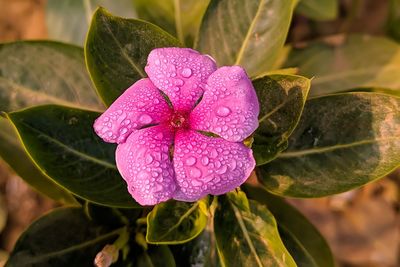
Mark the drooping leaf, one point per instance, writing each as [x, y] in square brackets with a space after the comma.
[62, 142]
[61, 27]
[320, 10]
[13, 153]
[64, 237]
[180, 18]
[43, 72]
[176, 222]
[339, 64]
[246, 234]
[301, 238]
[246, 33]
[116, 51]
[342, 141]
[40, 72]
[282, 99]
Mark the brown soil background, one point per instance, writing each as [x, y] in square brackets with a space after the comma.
[362, 226]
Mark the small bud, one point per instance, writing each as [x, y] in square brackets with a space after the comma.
[107, 256]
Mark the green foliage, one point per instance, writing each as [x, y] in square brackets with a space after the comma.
[180, 18]
[175, 222]
[320, 10]
[301, 238]
[61, 27]
[341, 142]
[246, 234]
[63, 144]
[64, 237]
[252, 41]
[281, 99]
[340, 63]
[116, 51]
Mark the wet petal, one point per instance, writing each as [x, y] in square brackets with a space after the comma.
[207, 165]
[229, 107]
[144, 162]
[140, 105]
[181, 73]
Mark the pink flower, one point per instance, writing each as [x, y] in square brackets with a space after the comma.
[163, 152]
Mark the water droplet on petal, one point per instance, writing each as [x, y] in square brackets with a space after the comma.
[194, 172]
[186, 72]
[196, 183]
[213, 153]
[159, 136]
[222, 170]
[179, 82]
[223, 111]
[157, 62]
[149, 159]
[190, 161]
[205, 160]
[145, 119]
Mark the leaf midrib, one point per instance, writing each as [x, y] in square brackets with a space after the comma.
[72, 150]
[249, 32]
[72, 248]
[183, 217]
[242, 225]
[320, 150]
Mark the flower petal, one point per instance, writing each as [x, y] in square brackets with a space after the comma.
[181, 73]
[229, 107]
[140, 105]
[144, 162]
[207, 165]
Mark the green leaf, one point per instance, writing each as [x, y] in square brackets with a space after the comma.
[247, 235]
[282, 99]
[62, 142]
[64, 237]
[176, 222]
[156, 256]
[340, 63]
[246, 33]
[180, 18]
[301, 238]
[342, 141]
[116, 51]
[61, 27]
[319, 10]
[13, 153]
[42, 72]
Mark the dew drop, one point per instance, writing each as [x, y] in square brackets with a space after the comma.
[222, 170]
[186, 72]
[190, 161]
[213, 153]
[205, 160]
[194, 172]
[149, 159]
[179, 82]
[157, 62]
[196, 183]
[223, 111]
[145, 119]
[159, 136]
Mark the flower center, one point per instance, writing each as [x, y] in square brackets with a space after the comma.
[179, 120]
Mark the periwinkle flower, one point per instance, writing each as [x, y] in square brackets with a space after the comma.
[164, 150]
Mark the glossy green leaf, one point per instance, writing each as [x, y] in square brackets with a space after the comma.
[13, 153]
[342, 141]
[63, 237]
[340, 64]
[246, 33]
[63, 144]
[304, 242]
[246, 234]
[320, 10]
[61, 27]
[42, 72]
[180, 18]
[176, 222]
[116, 51]
[282, 99]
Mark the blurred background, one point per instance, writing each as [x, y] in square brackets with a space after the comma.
[362, 226]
